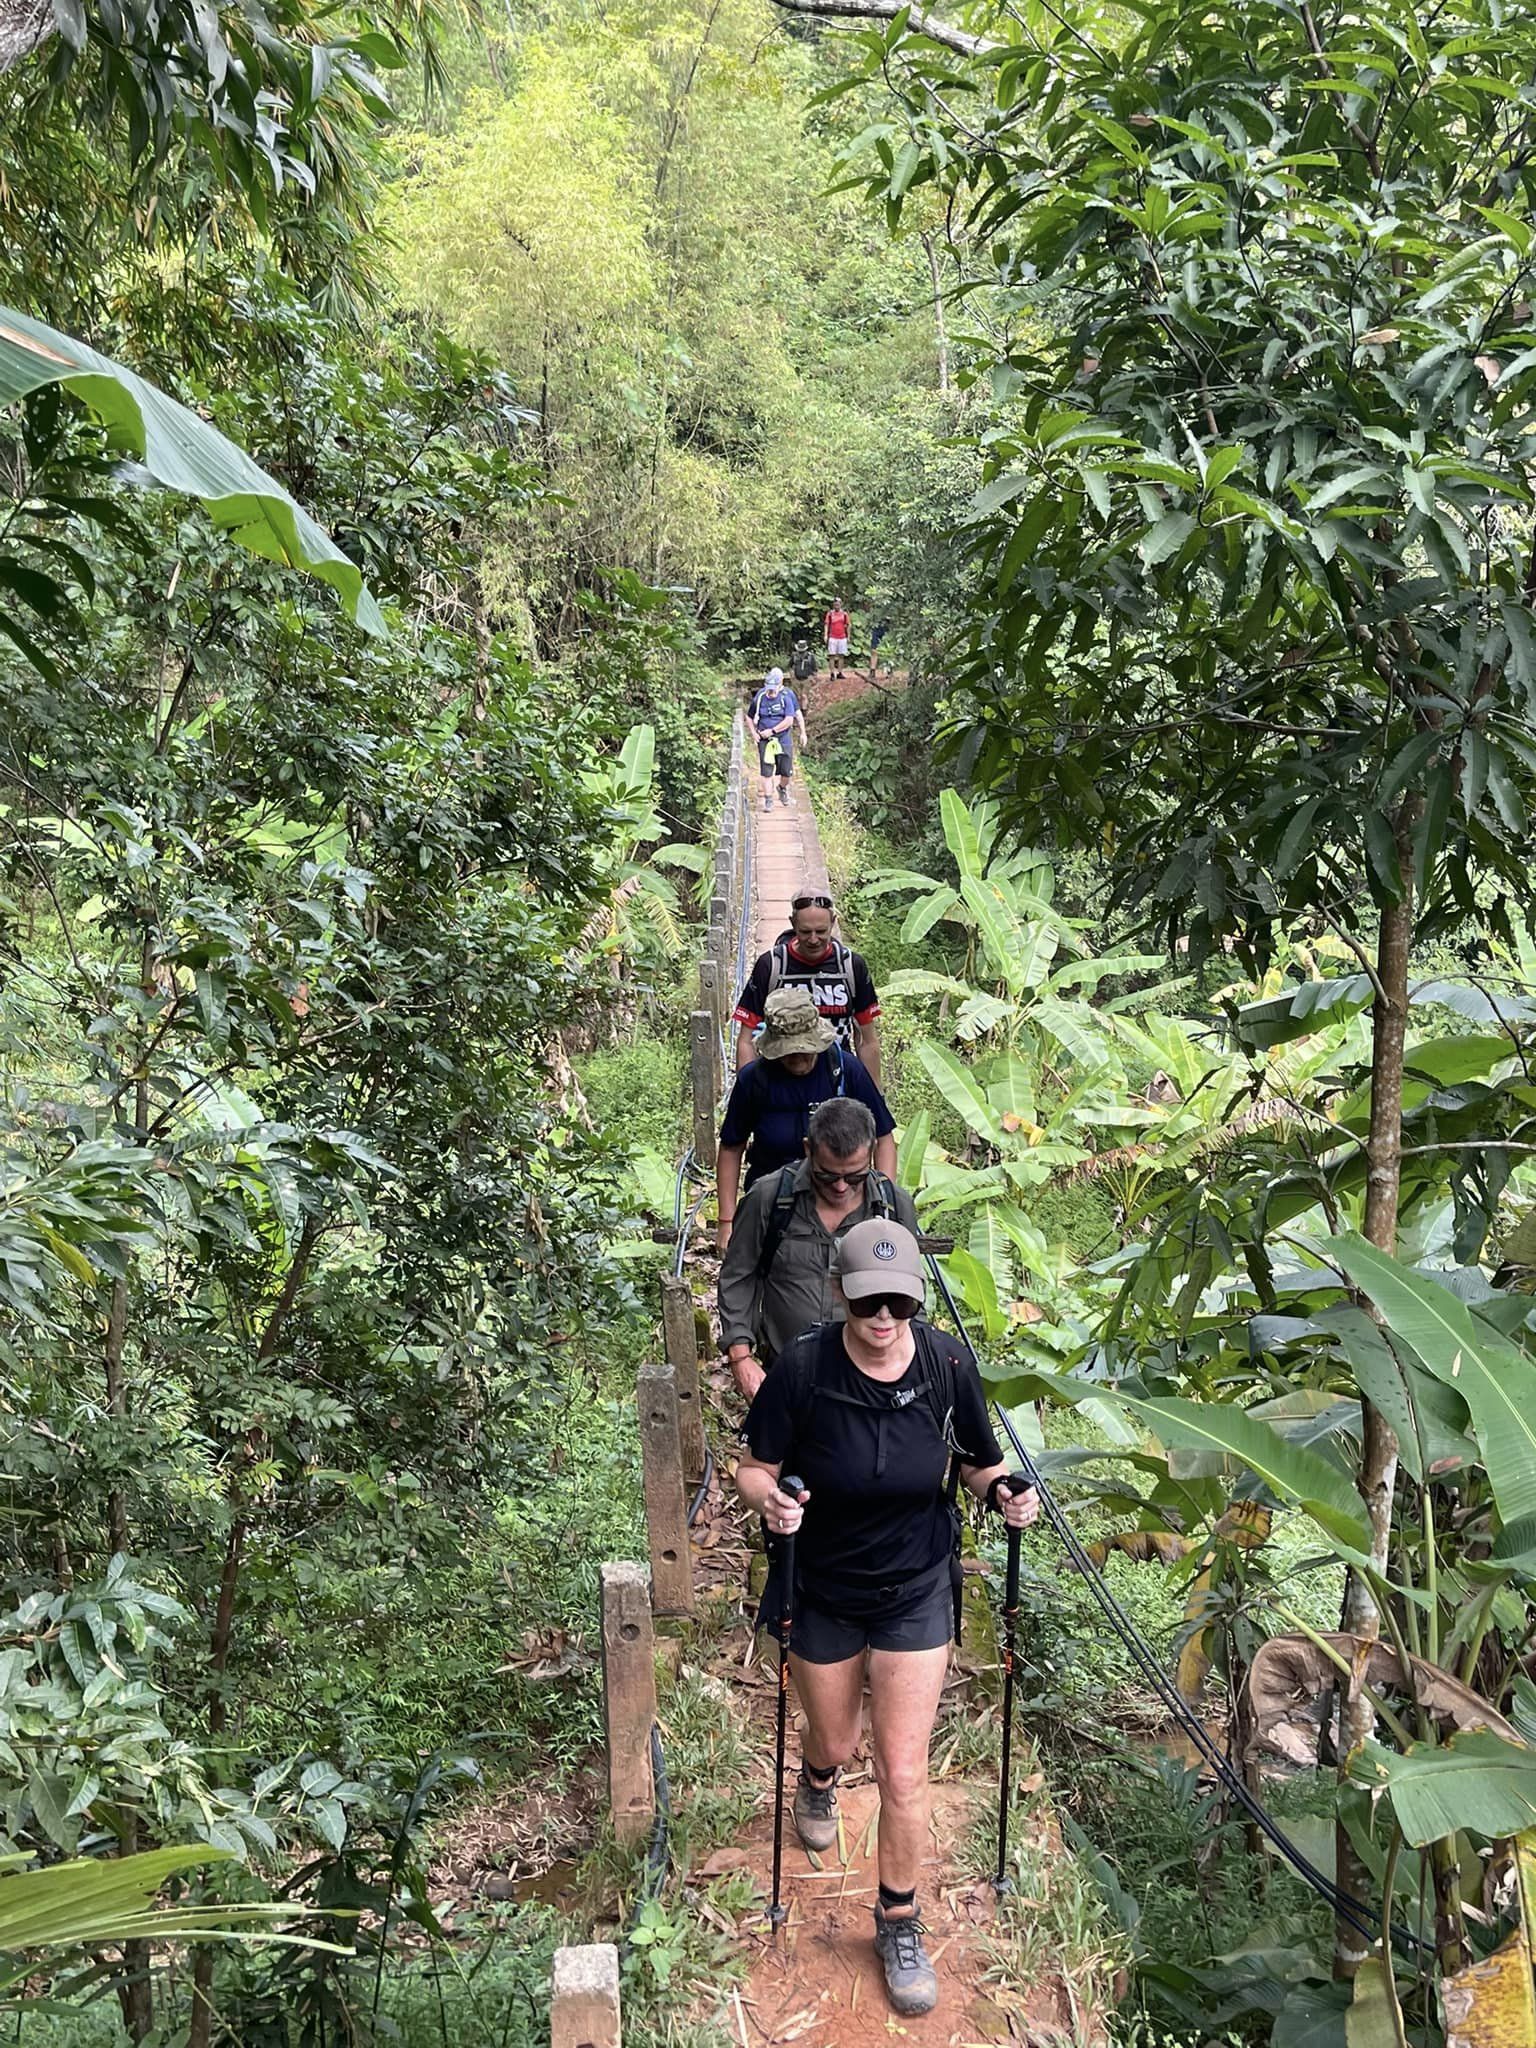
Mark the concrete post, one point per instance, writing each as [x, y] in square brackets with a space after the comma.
[584, 1998]
[703, 1051]
[629, 1698]
[683, 1356]
[711, 998]
[666, 1511]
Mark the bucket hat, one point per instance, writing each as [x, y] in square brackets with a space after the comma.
[878, 1257]
[792, 1023]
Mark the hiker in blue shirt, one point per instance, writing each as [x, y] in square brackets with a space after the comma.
[801, 1064]
[776, 715]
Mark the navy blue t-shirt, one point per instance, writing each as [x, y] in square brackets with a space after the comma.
[771, 1108]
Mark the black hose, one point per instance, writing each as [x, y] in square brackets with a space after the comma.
[1359, 1916]
[698, 1498]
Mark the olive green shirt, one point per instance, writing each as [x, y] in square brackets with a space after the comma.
[798, 1292]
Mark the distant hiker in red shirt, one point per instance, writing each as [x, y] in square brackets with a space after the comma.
[835, 627]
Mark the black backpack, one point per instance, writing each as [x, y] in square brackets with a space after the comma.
[778, 963]
[884, 1206]
[804, 665]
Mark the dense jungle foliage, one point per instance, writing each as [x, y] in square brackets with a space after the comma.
[1162, 381]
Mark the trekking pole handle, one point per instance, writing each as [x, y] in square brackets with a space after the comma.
[1016, 1483]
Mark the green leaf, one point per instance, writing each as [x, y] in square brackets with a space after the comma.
[1297, 1011]
[956, 1083]
[1292, 1474]
[980, 1290]
[1294, 840]
[1371, 2023]
[1497, 1382]
[1166, 537]
[925, 913]
[1476, 1782]
[962, 833]
[1385, 873]
[911, 1152]
[182, 453]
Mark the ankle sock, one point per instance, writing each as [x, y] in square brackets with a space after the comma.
[888, 1898]
[819, 1780]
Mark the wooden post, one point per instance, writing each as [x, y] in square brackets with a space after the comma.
[683, 1356]
[629, 1698]
[666, 1511]
[584, 1997]
[703, 1051]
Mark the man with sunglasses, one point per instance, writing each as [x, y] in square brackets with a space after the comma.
[838, 979]
[776, 1277]
[883, 1418]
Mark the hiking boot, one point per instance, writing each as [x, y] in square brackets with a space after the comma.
[909, 1979]
[815, 1812]
[767, 806]
[784, 794]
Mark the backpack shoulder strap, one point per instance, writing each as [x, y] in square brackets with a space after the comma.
[882, 1198]
[778, 1221]
[940, 1367]
[778, 965]
[806, 1365]
[842, 1066]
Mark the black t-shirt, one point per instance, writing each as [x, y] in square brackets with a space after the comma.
[872, 1457]
[841, 988]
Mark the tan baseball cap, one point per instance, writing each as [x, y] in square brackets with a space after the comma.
[878, 1257]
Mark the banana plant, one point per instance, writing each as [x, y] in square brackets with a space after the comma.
[642, 917]
[1450, 1776]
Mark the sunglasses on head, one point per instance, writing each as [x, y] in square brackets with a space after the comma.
[902, 1306]
[811, 903]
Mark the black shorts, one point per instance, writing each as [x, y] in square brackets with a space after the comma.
[785, 763]
[918, 1617]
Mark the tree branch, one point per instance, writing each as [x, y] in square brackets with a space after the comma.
[928, 25]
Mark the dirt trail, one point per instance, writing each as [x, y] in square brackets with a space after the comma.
[820, 1980]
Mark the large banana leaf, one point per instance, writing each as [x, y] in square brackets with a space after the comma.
[183, 453]
[912, 1152]
[989, 1244]
[979, 1287]
[925, 914]
[957, 1085]
[1288, 1471]
[1371, 2022]
[964, 827]
[1476, 1781]
[1497, 1381]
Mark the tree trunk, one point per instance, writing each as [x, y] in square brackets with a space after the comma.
[941, 330]
[200, 2025]
[1378, 1449]
[25, 25]
[117, 1407]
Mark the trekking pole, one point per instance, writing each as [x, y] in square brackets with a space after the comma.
[1017, 1482]
[777, 1912]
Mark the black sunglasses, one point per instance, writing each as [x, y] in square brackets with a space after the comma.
[901, 1306]
[831, 1180]
[810, 903]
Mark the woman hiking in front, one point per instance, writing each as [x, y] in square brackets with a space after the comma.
[867, 1412]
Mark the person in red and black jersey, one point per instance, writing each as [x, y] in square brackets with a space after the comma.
[808, 956]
